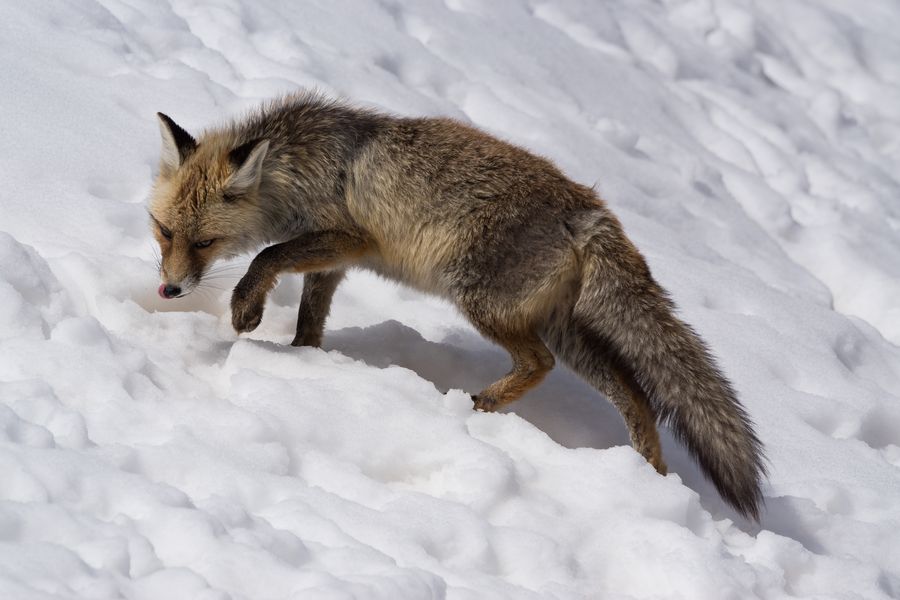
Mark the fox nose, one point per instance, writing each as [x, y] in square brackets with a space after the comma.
[169, 291]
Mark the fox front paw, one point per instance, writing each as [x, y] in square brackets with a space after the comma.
[307, 334]
[246, 309]
[307, 339]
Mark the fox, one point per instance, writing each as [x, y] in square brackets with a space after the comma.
[536, 262]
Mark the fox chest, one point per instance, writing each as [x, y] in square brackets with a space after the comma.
[412, 245]
[414, 257]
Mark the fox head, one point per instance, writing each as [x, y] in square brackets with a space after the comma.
[205, 203]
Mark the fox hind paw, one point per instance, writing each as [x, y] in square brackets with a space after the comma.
[484, 403]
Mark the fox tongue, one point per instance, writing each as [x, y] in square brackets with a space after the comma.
[162, 291]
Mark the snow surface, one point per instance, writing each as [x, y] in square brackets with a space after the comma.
[751, 149]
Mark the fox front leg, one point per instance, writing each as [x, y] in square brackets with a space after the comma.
[318, 289]
[317, 251]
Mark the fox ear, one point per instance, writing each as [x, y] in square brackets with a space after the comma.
[177, 144]
[247, 160]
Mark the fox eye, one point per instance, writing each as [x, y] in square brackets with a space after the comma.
[165, 232]
[204, 244]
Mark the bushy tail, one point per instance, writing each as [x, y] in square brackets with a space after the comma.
[631, 322]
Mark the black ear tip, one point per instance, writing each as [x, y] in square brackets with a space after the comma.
[183, 140]
[242, 152]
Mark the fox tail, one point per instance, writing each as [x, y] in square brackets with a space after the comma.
[626, 321]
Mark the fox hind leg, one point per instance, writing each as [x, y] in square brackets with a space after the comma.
[318, 290]
[627, 396]
[531, 362]
[588, 355]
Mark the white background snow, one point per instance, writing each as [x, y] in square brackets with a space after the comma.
[752, 150]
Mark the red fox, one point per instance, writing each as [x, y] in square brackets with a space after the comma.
[536, 262]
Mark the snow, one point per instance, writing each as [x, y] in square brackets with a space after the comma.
[751, 149]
